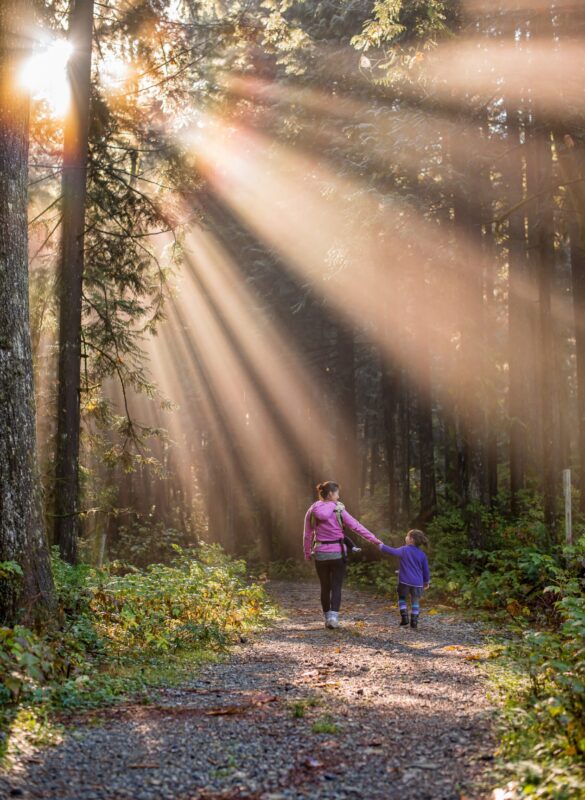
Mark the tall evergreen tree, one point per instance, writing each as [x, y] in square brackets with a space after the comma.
[70, 280]
[29, 585]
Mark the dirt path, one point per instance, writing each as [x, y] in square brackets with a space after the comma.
[368, 711]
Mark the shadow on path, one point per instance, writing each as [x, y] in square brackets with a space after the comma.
[370, 711]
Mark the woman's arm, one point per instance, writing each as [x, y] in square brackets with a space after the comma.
[308, 535]
[356, 526]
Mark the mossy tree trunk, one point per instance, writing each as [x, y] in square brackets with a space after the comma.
[28, 597]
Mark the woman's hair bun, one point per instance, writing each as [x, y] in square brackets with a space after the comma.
[325, 487]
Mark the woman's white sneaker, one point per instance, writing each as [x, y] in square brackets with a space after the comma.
[333, 619]
[327, 616]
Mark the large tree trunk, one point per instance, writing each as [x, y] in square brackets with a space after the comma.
[70, 279]
[22, 536]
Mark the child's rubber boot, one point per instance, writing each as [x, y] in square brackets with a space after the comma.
[414, 621]
[403, 618]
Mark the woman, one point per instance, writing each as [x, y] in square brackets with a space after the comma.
[323, 539]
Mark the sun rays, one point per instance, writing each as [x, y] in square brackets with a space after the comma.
[412, 152]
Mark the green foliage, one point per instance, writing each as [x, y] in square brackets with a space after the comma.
[26, 663]
[510, 575]
[538, 591]
[299, 707]
[142, 542]
[8, 569]
[192, 602]
[379, 575]
[396, 20]
[120, 631]
[290, 569]
[325, 725]
[543, 718]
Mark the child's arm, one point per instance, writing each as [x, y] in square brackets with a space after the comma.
[390, 551]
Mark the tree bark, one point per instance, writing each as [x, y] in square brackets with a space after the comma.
[390, 382]
[30, 597]
[347, 462]
[424, 407]
[70, 280]
[572, 164]
[517, 319]
[472, 370]
[543, 256]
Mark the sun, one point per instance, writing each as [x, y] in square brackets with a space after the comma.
[44, 75]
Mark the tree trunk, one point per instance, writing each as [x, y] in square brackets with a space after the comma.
[389, 408]
[347, 463]
[572, 164]
[30, 597]
[517, 320]
[405, 457]
[472, 370]
[70, 280]
[364, 456]
[543, 255]
[424, 408]
[490, 377]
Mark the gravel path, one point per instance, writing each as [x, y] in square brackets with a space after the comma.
[368, 711]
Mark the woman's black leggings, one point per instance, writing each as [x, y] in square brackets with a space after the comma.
[331, 574]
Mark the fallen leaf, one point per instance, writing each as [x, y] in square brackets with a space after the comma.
[259, 700]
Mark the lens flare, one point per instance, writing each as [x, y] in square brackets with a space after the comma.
[44, 75]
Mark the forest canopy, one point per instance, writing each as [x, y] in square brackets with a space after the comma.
[274, 242]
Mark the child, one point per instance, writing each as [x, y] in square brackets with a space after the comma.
[413, 576]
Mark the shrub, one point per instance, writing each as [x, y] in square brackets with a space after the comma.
[199, 602]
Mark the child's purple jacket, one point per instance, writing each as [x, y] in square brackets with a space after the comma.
[328, 531]
[414, 567]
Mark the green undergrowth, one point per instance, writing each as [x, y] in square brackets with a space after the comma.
[123, 630]
[529, 593]
[538, 679]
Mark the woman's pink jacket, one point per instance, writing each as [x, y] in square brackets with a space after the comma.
[328, 530]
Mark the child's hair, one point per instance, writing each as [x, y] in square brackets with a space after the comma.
[325, 487]
[418, 537]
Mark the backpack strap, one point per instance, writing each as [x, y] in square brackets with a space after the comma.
[313, 523]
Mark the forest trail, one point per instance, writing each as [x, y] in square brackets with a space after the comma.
[367, 711]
